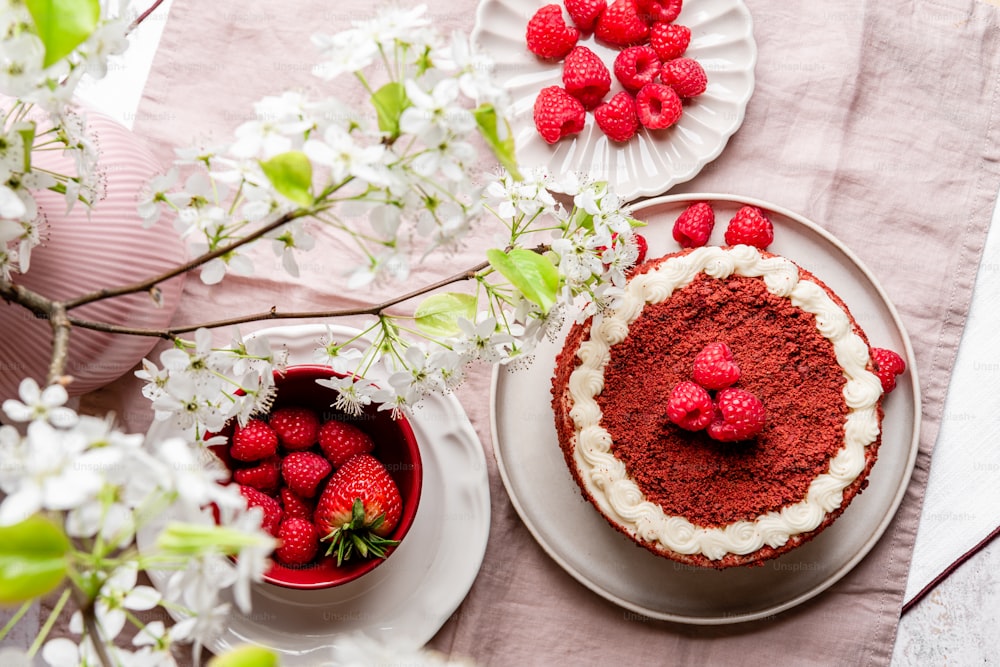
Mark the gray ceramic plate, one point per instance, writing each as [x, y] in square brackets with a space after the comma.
[573, 533]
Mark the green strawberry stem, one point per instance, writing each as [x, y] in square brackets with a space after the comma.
[359, 537]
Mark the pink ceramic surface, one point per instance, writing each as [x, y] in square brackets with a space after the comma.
[79, 255]
[395, 445]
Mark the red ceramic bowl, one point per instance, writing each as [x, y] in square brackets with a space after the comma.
[395, 446]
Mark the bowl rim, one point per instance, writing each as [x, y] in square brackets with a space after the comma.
[273, 575]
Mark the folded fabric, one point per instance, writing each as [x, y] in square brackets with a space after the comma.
[877, 120]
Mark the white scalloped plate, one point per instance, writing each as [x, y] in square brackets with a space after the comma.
[407, 599]
[652, 162]
[579, 539]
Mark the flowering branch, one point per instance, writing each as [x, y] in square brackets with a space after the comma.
[392, 181]
[181, 269]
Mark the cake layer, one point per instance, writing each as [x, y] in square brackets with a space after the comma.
[678, 493]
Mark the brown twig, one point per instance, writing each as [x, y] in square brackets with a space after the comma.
[274, 314]
[61, 327]
[144, 285]
[142, 17]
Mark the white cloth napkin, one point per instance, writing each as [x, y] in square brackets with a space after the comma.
[962, 501]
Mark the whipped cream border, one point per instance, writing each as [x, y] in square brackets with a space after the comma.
[604, 476]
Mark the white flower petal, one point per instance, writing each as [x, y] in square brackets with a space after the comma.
[141, 598]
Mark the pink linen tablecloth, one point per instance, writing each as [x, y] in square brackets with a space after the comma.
[877, 120]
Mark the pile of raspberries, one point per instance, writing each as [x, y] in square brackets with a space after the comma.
[650, 66]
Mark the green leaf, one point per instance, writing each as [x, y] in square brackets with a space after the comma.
[534, 275]
[291, 175]
[247, 655]
[438, 315]
[503, 148]
[63, 25]
[32, 559]
[389, 101]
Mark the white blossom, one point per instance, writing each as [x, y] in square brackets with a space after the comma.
[38, 404]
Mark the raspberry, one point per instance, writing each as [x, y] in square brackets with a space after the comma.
[304, 471]
[740, 416]
[669, 40]
[888, 365]
[714, 367]
[694, 226]
[272, 509]
[643, 245]
[299, 541]
[585, 77]
[558, 114]
[296, 428]
[585, 12]
[690, 407]
[750, 226]
[620, 24]
[340, 441]
[265, 476]
[617, 117]
[685, 75]
[636, 66]
[547, 34]
[658, 106]
[658, 11]
[295, 505]
[254, 441]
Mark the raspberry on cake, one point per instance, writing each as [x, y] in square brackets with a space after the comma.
[806, 407]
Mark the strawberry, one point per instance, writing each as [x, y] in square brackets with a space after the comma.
[690, 406]
[888, 365]
[636, 66]
[617, 117]
[658, 11]
[299, 541]
[658, 106]
[253, 442]
[304, 471]
[714, 367]
[669, 40]
[558, 114]
[547, 34]
[585, 12]
[620, 25]
[740, 416]
[693, 227]
[359, 507]
[585, 77]
[265, 476]
[750, 226]
[295, 505]
[685, 75]
[272, 508]
[296, 428]
[340, 441]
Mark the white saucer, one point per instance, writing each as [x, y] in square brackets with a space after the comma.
[408, 598]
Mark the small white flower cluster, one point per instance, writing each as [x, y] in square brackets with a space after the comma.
[200, 388]
[107, 486]
[38, 118]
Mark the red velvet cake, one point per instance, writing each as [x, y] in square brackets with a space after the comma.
[686, 494]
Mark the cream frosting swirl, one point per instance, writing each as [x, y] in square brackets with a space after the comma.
[620, 497]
